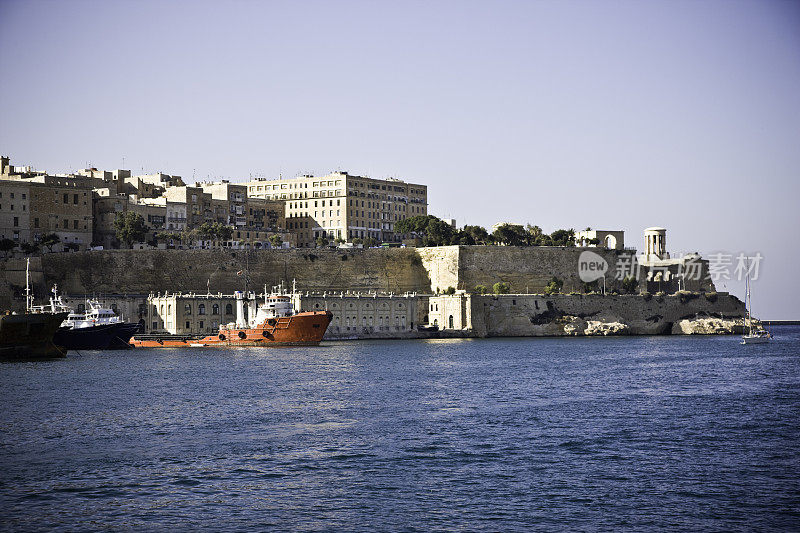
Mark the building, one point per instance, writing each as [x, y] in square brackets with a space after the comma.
[355, 315]
[60, 205]
[663, 273]
[343, 206]
[229, 202]
[611, 239]
[367, 315]
[185, 314]
[15, 212]
[198, 203]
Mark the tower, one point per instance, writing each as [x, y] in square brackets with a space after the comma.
[655, 243]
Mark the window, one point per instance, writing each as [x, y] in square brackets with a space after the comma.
[16, 222]
[75, 199]
[201, 324]
[201, 310]
[228, 309]
[187, 325]
[66, 198]
[187, 309]
[74, 224]
[215, 309]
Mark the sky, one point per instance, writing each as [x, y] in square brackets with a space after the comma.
[568, 114]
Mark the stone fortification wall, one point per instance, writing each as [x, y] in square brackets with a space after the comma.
[398, 270]
[539, 315]
[395, 270]
[525, 269]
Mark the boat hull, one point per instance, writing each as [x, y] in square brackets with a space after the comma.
[100, 337]
[30, 336]
[302, 329]
[755, 340]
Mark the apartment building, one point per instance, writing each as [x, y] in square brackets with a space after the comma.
[343, 206]
[44, 204]
[199, 208]
[15, 201]
[229, 202]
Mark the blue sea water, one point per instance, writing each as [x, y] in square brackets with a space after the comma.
[640, 433]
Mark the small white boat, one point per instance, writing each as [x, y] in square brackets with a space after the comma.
[752, 334]
[761, 337]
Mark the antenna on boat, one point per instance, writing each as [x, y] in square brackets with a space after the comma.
[27, 285]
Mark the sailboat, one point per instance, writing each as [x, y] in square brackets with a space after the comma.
[752, 334]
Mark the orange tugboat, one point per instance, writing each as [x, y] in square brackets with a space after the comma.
[273, 323]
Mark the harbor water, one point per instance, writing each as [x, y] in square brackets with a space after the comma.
[684, 433]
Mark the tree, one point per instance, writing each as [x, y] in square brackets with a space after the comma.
[276, 241]
[223, 232]
[501, 287]
[510, 235]
[481, 289]
[433, 231]
[563, 237]
[322, 242]
[29, 248]
[554, 287]
[479, 234]
[369, 242]
[6, 245]
[535, 234]
[189, 236]
[130, 227]
[630, 284]
[50, 240]
[358, 240]
[438, 233]
[450, 290]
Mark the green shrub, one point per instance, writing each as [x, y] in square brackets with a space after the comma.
[629, 284]
[501, 287]
[554, 287]
[481, 289]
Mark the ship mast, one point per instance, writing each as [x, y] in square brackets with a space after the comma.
[28, 297]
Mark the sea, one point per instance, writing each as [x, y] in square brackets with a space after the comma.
[516, 434]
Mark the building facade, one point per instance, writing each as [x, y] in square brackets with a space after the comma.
[44, 204]
[343, 206]
[355, 315]
[15, 201]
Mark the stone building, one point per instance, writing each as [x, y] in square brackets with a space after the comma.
[53, 204]
[343, 206]
[15, 212]
[188, 313]
[362, 315]
[610, 239]
[198, 203]
[229, 201]
[367, 315]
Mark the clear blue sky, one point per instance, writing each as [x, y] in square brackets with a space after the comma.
[562, 114]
